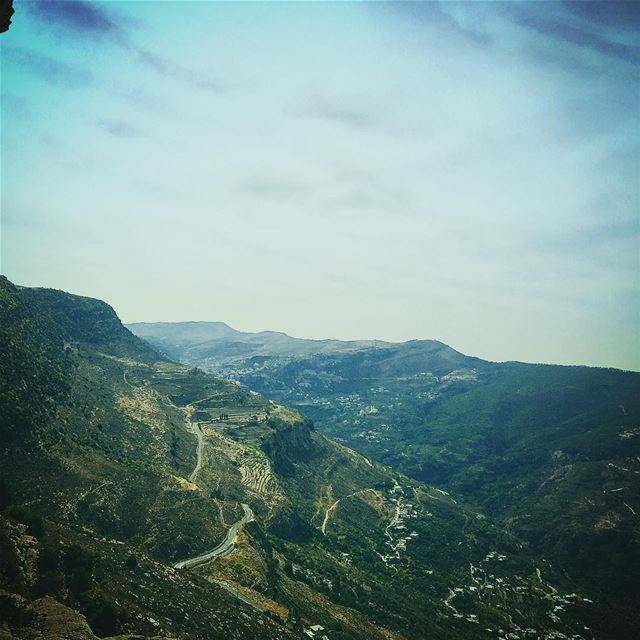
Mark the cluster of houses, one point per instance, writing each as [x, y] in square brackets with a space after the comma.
[349, 401]
[371, 410]
[314, 631]
[492, 589]
[396, 530]
[629, 433]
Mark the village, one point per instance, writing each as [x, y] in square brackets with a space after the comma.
[492, 586]
[396, 530]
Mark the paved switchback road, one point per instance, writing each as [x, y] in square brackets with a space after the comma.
[225, 547]
[229, 543]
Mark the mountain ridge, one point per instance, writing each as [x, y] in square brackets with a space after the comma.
[156, 333]
[551, 451]
[97, 507]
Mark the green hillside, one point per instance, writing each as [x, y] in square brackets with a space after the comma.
[550, 452]
[105, 488]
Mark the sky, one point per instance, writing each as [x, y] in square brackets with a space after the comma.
[467, 172]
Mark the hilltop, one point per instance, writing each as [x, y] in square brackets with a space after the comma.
[215, 344]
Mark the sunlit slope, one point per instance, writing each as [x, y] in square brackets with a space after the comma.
[551, 452]
[98, 507]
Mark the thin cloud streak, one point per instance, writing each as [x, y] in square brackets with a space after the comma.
[87, 18]
[90, 20]
[48, 69]
[572, 35]
[620, 14]
[120, 129]
[171, 69]
[435, 13]
[336, 114]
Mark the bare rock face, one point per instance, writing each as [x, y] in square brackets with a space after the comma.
[48, 619]
[51, 619]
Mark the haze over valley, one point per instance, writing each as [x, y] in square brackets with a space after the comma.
[441, 198]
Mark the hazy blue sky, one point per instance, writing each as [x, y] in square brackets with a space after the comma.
[461, 171]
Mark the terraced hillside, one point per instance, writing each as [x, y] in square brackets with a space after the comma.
[550, 452]
[119, 465]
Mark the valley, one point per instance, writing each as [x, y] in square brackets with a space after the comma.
[172, 503]
[548, 451]
[146, 465]
[411, 184]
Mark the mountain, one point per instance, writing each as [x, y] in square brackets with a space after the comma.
[552, 453]
[144, 498]
[217, 343]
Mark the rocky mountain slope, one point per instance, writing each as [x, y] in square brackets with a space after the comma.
[120, 466]
[551, 452]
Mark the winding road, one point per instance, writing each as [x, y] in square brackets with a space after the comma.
[234, 592]
[335, 504]
[229, 543]
[225, 547]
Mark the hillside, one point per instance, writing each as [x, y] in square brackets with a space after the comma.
[120, 466]
[551, 452]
